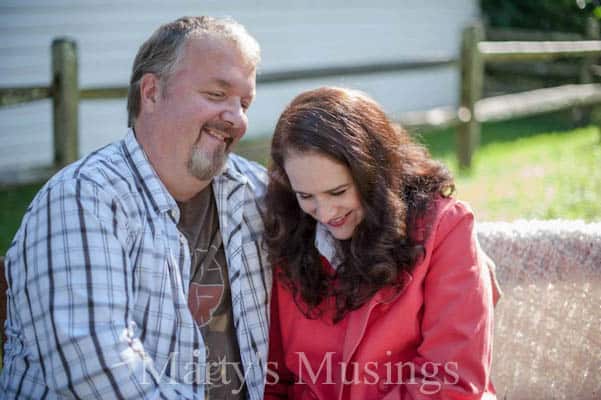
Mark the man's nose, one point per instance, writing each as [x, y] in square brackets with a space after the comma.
[235, 116]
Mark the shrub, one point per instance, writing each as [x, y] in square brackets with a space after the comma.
[543, 15]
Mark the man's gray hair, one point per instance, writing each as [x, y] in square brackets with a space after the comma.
[161, 53]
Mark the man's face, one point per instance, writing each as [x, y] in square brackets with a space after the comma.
[200, 112]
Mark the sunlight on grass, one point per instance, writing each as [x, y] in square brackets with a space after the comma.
[555, 175]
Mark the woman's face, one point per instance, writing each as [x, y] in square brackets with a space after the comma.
[326, 191]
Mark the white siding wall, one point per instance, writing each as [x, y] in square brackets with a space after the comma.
[292, 34]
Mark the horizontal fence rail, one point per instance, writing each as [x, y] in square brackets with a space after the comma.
[360, 69]
[540, 101]
[103, 93]
[13, 96]
[302, 74]
[515, 51]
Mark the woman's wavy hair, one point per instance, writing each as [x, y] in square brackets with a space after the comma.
[397, 181]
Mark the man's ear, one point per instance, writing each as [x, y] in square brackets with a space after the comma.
[149, 91]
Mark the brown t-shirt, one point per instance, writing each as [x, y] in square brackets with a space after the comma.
[210, 298]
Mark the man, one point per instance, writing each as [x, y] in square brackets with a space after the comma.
[137, 271]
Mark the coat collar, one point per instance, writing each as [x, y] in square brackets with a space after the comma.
[325, 244]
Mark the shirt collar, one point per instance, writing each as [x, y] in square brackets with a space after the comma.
[230, 171]
[150, 182]
[325, 244]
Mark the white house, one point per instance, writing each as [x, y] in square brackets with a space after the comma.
[293, 34]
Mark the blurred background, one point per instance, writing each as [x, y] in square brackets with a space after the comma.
[436, 67]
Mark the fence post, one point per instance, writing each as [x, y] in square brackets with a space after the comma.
[65, 101]
[591, 114]
[472, 78]
[582, 115]
[592, 33]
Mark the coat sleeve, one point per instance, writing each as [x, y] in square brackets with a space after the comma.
[279, 379]
[454, 358]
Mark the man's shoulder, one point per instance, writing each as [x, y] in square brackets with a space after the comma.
[105, 169]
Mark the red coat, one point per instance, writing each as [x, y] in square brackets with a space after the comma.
[433, 340]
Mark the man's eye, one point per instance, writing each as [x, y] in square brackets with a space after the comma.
[216, 95]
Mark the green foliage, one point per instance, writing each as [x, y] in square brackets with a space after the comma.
[544, 15]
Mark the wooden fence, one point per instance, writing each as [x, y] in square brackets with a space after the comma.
[65, 93]
[474, 110]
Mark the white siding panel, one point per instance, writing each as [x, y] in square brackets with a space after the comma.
[293, 34]
[102, 121]
[26, 135]
[396, 92]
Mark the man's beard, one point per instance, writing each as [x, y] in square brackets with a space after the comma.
[205, 165]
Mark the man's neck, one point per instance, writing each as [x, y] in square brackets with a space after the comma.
[185, 195]
[181, 187]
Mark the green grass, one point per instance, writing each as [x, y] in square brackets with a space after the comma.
[535, 168]
[543, 177]
[13, 203]
[530, 168]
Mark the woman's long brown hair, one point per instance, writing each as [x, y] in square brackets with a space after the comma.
[397, 181]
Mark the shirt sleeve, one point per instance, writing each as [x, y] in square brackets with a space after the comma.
[454, 357]
[78, 280]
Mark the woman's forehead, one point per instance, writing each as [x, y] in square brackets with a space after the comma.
[315, 173]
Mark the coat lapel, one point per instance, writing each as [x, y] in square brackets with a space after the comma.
[359, 319]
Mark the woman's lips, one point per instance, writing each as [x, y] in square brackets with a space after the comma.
[338, 222]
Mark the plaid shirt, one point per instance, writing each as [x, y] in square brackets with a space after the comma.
[98, 283]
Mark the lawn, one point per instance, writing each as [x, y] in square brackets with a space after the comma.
[535, 168]
[532, 168]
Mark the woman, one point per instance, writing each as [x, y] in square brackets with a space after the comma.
[380, 290]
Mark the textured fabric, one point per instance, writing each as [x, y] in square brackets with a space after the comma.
[432, 340]
[210, 296]
[98, 281]
[548, 322]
